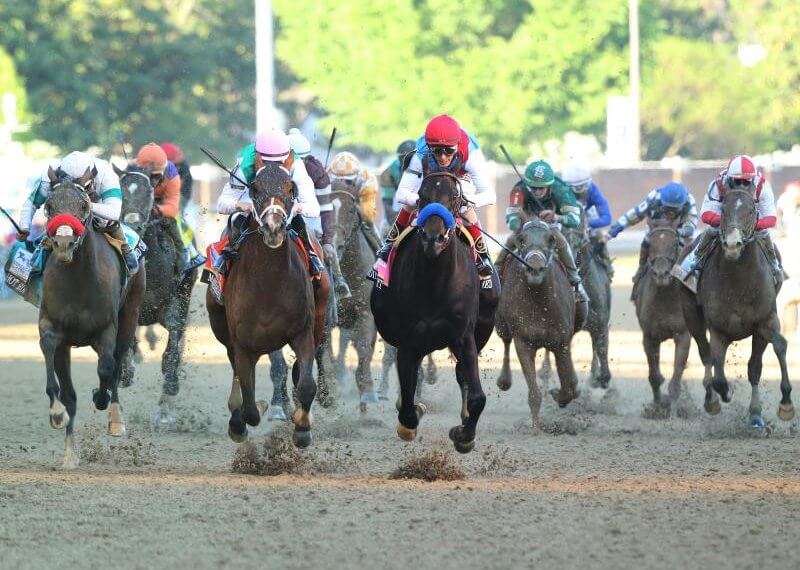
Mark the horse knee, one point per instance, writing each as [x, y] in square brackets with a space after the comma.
[105, 366]
[779, 343]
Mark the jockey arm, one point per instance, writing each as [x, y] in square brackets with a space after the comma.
[233, 193]
[108, 188]
[168, 193]
[638, 212]
[515, 213]
[568, 210]
[483, 194]
[306, 195]
[689, 218]
[35, 201]
[767, 212]
[322, 187]
[408, 189]
[597, 200]
[368, 197]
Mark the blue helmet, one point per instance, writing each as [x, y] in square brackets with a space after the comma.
[674, 195]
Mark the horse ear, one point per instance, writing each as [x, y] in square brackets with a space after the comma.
[86, 178]
[51, 175]
[117, 170]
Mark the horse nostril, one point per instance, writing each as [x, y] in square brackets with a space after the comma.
[440, 238]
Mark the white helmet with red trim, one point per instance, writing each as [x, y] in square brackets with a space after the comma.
[742, 167]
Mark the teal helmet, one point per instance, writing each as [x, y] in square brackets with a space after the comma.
[539, 174]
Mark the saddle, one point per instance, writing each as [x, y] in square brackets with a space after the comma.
[218, 261]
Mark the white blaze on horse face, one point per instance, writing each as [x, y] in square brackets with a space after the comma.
[133, 188]
[64, 231]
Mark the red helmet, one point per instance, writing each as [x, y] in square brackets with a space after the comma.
[173, 151]
[443, 130]
[742, 167]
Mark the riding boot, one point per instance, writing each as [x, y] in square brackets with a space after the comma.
[401, 222]
[771, 252]
[171, 227]
[315, 266]
[484, 261]
[115, 231]
[685, 270]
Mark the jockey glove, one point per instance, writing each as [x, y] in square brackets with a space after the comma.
[615, 230]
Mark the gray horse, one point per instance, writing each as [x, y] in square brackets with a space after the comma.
[166, 299]
[736, 299]
[537, 310]
[658, 296]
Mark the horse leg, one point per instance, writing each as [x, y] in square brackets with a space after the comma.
[652, 349]
[62, 369]
[326, 370]
[601, 374]
[504, 380]
[305, 387]
[365, 346]
[526, 355]
[719, 348]
[754, 366]
[785, 408]
[408, 414]
[344, 342]
[474, 400]
[176, 317]
[567, 377]
[683, 341]
[546, 369]
[431, 376]
[247, 412]
[49, 341]
[389, 358]
[278, 373]
[105, 347]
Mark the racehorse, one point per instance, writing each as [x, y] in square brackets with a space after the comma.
[166, 299]
[657, 297]
[86, 301]
[736, 299]
[537, 310]
[270, 301]
[434, 302]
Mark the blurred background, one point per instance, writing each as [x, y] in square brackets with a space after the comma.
[643, 93]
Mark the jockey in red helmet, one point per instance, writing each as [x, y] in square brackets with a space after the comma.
[445, 147]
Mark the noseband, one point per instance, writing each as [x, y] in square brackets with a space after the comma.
[86, 220]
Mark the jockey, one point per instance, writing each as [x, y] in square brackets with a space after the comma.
[348, 174]
[741, 173]
[598, 214]
[322, 185]
[103, 191]
[390, 178]
[671, 202]
[546, 196]
[175, 156]
[271, 146]
[166, 192]
[445, 147]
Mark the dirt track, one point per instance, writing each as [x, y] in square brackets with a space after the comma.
[600, 487]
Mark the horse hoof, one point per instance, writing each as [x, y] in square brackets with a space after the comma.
[460, 442]
[406, 434]
[101, 398]
[713, 407]
[116, 429]
[116, 423]
[276, 413]
[163, 420]
[301, 438]
[237, 437]
[59, 417]
[504, 383]
[786, 412]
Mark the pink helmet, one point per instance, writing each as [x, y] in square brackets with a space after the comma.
[273, 146]
[741, 167]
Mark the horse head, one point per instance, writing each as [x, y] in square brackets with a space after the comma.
[137, 197]
[69, 211]
[348, 211]
[439, 200]
[535, 244]
[273, 194]
[664, 249]
[739, 217]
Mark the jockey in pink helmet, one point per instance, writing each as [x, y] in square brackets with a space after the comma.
[270, 146]
[741, 173]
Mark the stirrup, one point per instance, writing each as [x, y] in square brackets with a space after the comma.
[384, 251]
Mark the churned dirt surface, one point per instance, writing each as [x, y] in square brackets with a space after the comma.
[599, 487]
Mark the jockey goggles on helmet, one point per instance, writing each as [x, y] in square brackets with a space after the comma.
[580, 189]
[740, 182]
[444, 150]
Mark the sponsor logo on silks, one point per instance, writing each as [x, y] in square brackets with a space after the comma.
[539, 172]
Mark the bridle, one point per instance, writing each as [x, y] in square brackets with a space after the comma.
[81, 192]
[457, 202]
[725, 226]
[535, 251]
[358, 217]
[148, 220]
[272, 206]
[675, 247]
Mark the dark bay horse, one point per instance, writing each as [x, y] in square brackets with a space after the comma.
[270, 301]
[537, 310]
[735, 300]
[658, 296]
[433, 303]
[166, 299]
[84, 304]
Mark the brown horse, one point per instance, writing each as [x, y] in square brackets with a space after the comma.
[735, 300]
[537, 310]
[658, 296]
[270, 301]
[84, 304]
